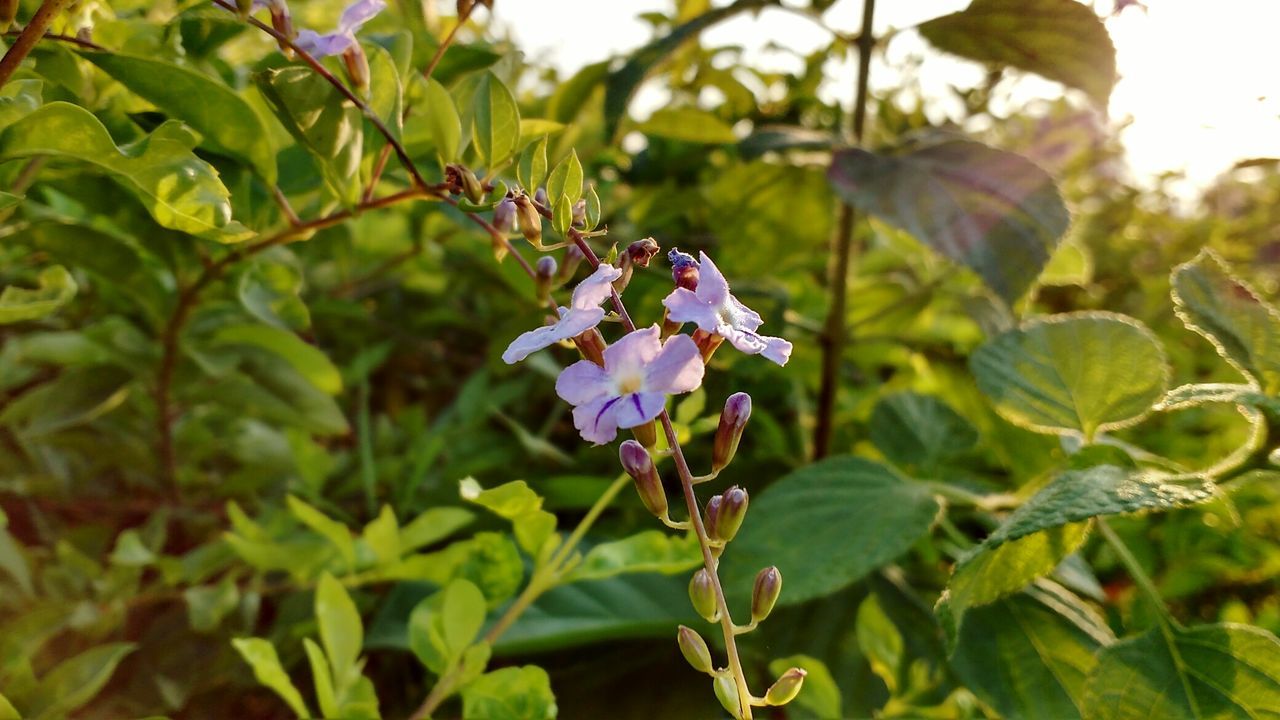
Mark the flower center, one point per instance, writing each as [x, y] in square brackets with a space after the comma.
[630, 383]
[727, 314]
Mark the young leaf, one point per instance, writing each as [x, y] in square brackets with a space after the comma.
[217, 112]
[688, 124]
[1078, 372]
[512, 693]
[308, 360]
[496, 129]
[515, 501]
[1210, 671]
[181, 191]
[1061, 40]
[992, 210]
[341, 632]
[332, 530]
[74, 682]
[565, 181]
[261, 656]
[322, 679]
[646, 551]
[593, 208]
[57, 287]
[854, 515]
[443, 626]
[920, 431]
[531, 171]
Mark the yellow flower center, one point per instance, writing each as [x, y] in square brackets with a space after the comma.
[630, 384]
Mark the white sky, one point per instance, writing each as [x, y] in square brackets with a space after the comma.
[1200, 80]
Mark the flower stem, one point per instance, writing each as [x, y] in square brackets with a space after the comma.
[30, 35]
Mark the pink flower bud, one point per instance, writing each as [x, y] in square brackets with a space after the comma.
[702, 594]
[642, 251]
[737, 409]
[504, 215]
[639, 465]
[764, 595]
[711, 517]
[695, 650]
[540, 196]
[732, 511]
[684, 269]
[786, 688]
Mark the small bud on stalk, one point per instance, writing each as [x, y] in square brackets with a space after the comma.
[544, 272]
[711, 518]
[639, 465]
[737, 409]
[580, 214]
[591, 344]
[684, 269]
[504, 215]
[707, 343]
[786, 688]
[540, 196]
[727, 693]
[765, 593]
[282, 23]
[358, 71]
[695, 650]
[702, 594]
[731, 513]
[646, 434]
[529, 220]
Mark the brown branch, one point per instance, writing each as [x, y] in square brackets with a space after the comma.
[29, 36]
[86, 44]
[448, 40]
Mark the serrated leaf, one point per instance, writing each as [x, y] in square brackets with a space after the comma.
[688, 124]
[1228, 313]
[341, 632]
[992, 210]
[261, 656]
[323, 122]
[179, 190]
[308, 360]
[1061, 40]
[1076, 372]
[217, 112]
[565, 181]
[1028, 655]
[512, 693]
[56, 288]
[646, 551]
[496, 121]
[916, 430]
[1212, 671]
[531, 171]
[74, 682]
[855, 516]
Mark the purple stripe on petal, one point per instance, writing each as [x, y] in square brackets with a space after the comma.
[611, 403]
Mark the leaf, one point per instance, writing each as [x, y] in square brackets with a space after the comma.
[8, 200]
[1061, 40]
[208, 605]
[565, 181]
[992, 210]
[56, 288]
[1243, 328]
[439, 116]
[181, 191]
[386, 96]
[496, 129]
[18, 99]
[784, 138]
[516, 502]
[921, 431]
[646, 551]
[12, 560]
[341, 632]
[261, 656]
[307, 359]
[531, 170]
[74, 682]
[819, 694]
[270, 291]
[1077, 372]
[75, 397]
[7, 711]
[326, 698]
[443, 626]
[621, 84]
[382, 535]
[512, 693]
[1210, 671]
[217, 112]
[880, 641]
[989, 574]
[1028, 655]
[854, 515]
[534, 128]
[688, 124]
[332, 530]
[323, 122]
[432, 526]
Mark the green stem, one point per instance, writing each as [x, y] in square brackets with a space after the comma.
[1140, 577]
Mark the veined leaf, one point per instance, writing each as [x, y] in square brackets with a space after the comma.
[646, 551]
[57, 287]
[496, 128]
[990, 573]
[307, 359]
[437, 114]
[512, 693]
[916, 430]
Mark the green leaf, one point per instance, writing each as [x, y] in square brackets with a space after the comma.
[208, 604]
[75, 397]
[1243, 328]
[271, 291]
[13, 561]
[515, 501]
[993, 211]
[919, 431]
[990, 573]
[324, 122]
[326, 698]
[1211, 671]
[7, 710]
[341, 632]
[1078, 372]
[688, 124]
[261, 656]
[880, 641]
[57, 287]
[382, 535]
[565, 181]
[307, 359]
[646, 551]
[562, 220]
[513, 693]
[593, 208]
[8, 200]
[443, 626]
[332, 530]
[820, 694]
[130, 551]
[74, 682]
[783, 138]
[386, 96]
[1061, 40]
[854, 515]
[432, 526]
[496, 129]
[621, 84]
[531, 170]
[533, 128]
[1028, 655]
[18, 99]
[181, 191]
[438, 116]
[227, 122]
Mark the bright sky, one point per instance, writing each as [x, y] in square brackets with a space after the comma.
[1199, 79]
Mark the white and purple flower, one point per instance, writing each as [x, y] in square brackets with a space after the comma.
[715, 310]
[639, 372]
[337, 42]
[584, 312]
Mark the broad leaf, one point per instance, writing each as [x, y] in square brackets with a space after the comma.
[19, 98]
[1211, 671]
[989, 574]
[992, 210]
[689, 125]
[496, 128]
[565, 182]
[513, 693]
[820, 694]
[217, 112]
[921, 431]
[1077, 372]
[324, 122]
[1061, 40]
[386, 95]
[646, 551]
[261, 656]
[437, 116]
[854, 516]
[340, 630]
[516, 502]
[56, 288]
[74, 682]
[181, 191]
[308, 360]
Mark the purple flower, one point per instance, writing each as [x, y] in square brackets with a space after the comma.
[584, 312]
[335, 43]
[639, 373]
[717, 311]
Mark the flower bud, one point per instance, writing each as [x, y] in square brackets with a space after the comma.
[732, 511]
[711, 518]
[642, 251]
[504, 215]
[786, 688]
[282, 22]
[591, 344]
[540, 197]
[684, 269]
[471, 186]
[639, 465]
[573, 257]
[9, 7]
[529, 221]
[737, 409]
[646, 433]
[544, 272]
[727, 693]
[765, 593]
[702, 593]
[707, 343]
[580, 214]
[358, 71]
[695, 649]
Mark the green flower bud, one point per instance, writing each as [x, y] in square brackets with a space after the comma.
[646, 434]
[636, 461]
[737, 409]
[471, 186]
[529, 220]
[786, 688]
[733, 510]
[695, 650]
[702, 594]
[765, 593]
[727, 693]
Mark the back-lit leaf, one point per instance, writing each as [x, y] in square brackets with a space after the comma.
[688, 124]
[56, 288]
[322, 121]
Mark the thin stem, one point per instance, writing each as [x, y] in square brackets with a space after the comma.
[287, 209]
[29, 36]
[1140, 577]
[448, 40]
[836, 331]
[86, 44]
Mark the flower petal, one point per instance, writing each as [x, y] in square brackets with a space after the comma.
[677, 369]
[773, 348]
[633, 351]
[532, 341]
[317, 45]
[684, 306]
[744, 317]
[639, 408]
[596, 288]
[597, 421]
[358, 13]
[776, 349]
[583, 382]
[713, 289]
